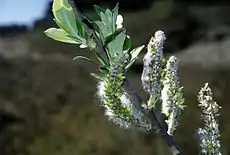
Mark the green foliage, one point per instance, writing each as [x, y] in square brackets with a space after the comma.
[107, 25]
[62, 36]
[111, 45]
[64, 15]
[84, 58]
[116, 46]
[134, 56]
[107, 30]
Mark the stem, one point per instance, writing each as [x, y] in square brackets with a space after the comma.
[157, 127]
[169, 139]
[135, 97]
[90, 26]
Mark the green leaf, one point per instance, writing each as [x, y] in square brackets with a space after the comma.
[80, 27]
[104, 69]
[85, 58]
[115, 14]
[105, 26]
[116, 46]
[127, 44]
[78, 38]
[59, 25]
[91, 43]
[62, 36]
[107, 20]
[134, 53]
[103, 29]
[65, 16]
[108, 17]
[111, 37]
[101, 59]
[98, 76]
[99, 9]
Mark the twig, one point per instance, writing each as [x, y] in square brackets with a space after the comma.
[156, 125]
[90, 26]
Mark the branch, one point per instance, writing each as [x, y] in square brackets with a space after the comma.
[90, 26]
[157, 127]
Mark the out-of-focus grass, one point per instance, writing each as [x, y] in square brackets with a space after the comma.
[61, 115]
[90, 133]
[82, 128]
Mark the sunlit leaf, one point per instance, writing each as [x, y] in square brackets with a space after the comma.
[85, 58]
[127, 44]
[104, 69]
[106, 24]
[115, 14]
[116, 46]
[65, 16]
[101, 59]
[80, 27]
[108, 16]
[111, 37]
[62, 36]
[103, 29]
[134, 56]
[98, 76]
[99, 9]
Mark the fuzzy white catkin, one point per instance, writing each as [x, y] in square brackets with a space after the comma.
[138, 119]
[108, 111]
[209, 134]
[101, 89]
[153, 64]
[171, 95]
[164, 97]
[170, 82]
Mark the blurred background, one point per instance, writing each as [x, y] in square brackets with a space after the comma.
[48, 104]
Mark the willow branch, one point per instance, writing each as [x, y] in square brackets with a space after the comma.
[156, 125]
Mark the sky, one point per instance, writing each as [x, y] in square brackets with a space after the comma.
[21, 12]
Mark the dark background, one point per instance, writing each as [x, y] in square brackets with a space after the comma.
[48, 104]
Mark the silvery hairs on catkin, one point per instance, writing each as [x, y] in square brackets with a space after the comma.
[117, 103]
[153, 65]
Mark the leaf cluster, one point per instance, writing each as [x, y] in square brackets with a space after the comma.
[104, 37]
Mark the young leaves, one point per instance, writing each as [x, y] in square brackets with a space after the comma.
[62, 36]
[127, 43]
[72, 30]
[116, 46]
[85, 58]
[134, 56]
[110, 33]
[65, 16]
[113, 37]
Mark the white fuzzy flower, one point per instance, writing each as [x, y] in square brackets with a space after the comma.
[171, 95]
[137, 117]
[172, 124]
[164, 98]
[153, 66]
[159, 39]
[108, 111]
[209, 135]
[125, 101]
[115, 119]
[119, 22]
[101, 89]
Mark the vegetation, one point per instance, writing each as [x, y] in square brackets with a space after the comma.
[108, 40]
